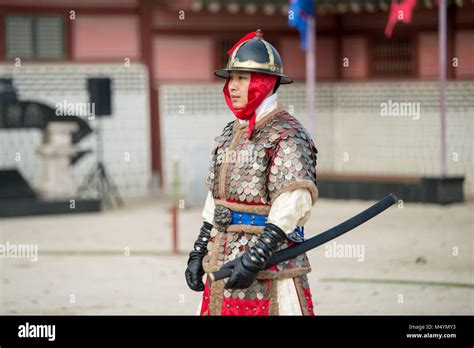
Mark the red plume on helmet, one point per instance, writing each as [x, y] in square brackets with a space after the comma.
[248, 36]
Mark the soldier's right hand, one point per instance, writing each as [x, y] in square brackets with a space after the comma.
[194, 273]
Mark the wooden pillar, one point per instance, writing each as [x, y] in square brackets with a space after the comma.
[339, 47]
[146, 23]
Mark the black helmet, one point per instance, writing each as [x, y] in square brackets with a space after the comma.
[255, 55]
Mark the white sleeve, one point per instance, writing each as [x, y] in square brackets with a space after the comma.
[208, 211]
[291, 209]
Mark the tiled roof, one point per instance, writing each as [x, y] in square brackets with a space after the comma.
[322, 6]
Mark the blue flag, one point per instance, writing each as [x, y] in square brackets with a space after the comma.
[298, 12]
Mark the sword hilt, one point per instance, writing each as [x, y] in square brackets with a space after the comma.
[220, 274]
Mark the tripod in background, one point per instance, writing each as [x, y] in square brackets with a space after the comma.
[106, 189]
[100, 97]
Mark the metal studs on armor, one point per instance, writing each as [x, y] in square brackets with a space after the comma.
[293, 158]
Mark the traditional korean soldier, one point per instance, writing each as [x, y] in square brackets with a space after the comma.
[262, 186]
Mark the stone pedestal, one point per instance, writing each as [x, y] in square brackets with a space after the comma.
[56, 152]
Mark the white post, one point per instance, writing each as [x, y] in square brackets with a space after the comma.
[311, 73]
[442, 82]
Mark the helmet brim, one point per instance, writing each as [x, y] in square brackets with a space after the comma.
[224, 73]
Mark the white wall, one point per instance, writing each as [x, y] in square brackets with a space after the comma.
[348, 125]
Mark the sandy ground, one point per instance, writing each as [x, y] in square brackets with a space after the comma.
[119, 261]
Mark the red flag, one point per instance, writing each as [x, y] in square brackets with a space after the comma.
[401, 10]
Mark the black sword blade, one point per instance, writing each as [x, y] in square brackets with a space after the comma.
[321, 238]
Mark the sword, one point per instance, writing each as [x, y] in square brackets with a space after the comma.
[320, 239]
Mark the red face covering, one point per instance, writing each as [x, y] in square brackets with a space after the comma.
[259, 87]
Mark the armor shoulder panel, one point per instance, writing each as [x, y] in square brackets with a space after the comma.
[293, 159]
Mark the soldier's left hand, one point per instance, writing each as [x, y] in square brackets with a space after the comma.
[241, 277]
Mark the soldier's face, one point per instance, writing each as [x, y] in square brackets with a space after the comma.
[238, 88]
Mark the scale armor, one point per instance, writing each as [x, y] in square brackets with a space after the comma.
[280, 156]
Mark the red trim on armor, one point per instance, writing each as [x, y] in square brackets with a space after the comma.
[309, 301]
[206, 296]
[231, 306]
[270, 153]
[255, 307]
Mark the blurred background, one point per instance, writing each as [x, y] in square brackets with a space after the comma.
[109, 109]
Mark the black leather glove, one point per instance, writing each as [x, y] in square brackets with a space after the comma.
[245, 268]
[194, 271]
